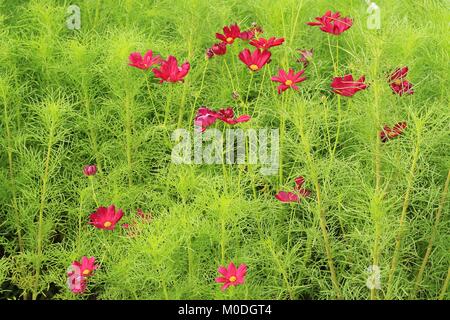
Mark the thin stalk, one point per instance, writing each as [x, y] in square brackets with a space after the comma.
[129, 139]
[445, 286]
[11, 176]
[91, 181]
[41, 213]
[282, 138]
[432, 238]
[167, 107]
[282, 271]
[92, 131]
[191, 118]
[182, 104]
[401, 231]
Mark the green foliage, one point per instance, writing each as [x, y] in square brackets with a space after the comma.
[68, 99]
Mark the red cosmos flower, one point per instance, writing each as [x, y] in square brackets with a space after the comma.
[106, 218]
[249, 34]
[217, 49]
[398, 83]
[90, 170]
[305, 56]
[231, 276]
[144, 63]
[206, 117]
[229, 34]
[288, 80]
[265, 44]
[86, 266]
[388, 133]
[295, 196]
[170, 71]
[256, 60]
[332, 23]
[346, 86]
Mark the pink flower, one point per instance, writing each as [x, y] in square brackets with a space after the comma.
[106, 218]
[256, 60]
[170, 71]
[87, 265]
[332, 23]
[206, 117]
[288, 80]
[346, 86]
[144, 63]
[266, 44]
[305, 56]
[398, 83]
[295, 196]
[75, 280]
[387, 133]
[229, 34]
[90, 170]
[231, 276]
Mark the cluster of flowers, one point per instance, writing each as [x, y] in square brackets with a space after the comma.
[169, 71]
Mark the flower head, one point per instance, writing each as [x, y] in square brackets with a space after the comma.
[332, 23]
[398, 83]
[217, 49]
[295, 196]
[387, 133]
[206, 117]
[251, 33]
[288, 80]
[346, 86]
[170, 71]
[231, 276]
[305, 56]
[230, 33]
[86, 266]
[106, 218]
[256, 60]
[90, 170]
[265, 44]
[143, 62]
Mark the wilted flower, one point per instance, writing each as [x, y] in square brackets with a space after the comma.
[235, 95]
[217, 49]
[295, 196]
[288, 80]
[90, 170]
[206, 117]
[170, 71]
[332, 23]
[265, 44]
[231, 276]
[145, 62]
[398, 83]
[256, 60]
[387, 133]
[346, 86]
[106, 218]
[305, 56]
[229, 34]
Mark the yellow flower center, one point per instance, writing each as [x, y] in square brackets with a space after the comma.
[230, 39]
[232, 279]
[86, 272]
[398, 81]
[107, 224]
[288, 82]
[254, 67]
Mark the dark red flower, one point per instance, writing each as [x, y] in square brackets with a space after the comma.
[229, 34]
[387, 133]
[206, 117]
[346, 86]
[90, 170]
[251, 33]
[305, 56]
[295, 196]
[170, 71]
[256, 60]
[217, 49]
[288, 80]
[398, 83]
[106, 218]
[332, 23]
[145, 62]
[265, 44]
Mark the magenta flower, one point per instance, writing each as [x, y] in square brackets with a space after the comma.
[143, 62]
[106, 218]
[346, 86]
[295, 196]
[75, 280]
[231, 276]
[399, 84]
[288, 80]
[86, 266]
[90, 170]
[332, 23]
[170, 71]
[206, 117]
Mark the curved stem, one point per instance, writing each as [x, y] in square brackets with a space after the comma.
[445, 286]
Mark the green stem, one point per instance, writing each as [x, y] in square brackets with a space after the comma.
[91, 181]
[432, 238]
[129, 139]
[191, 118]
[444, 289]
